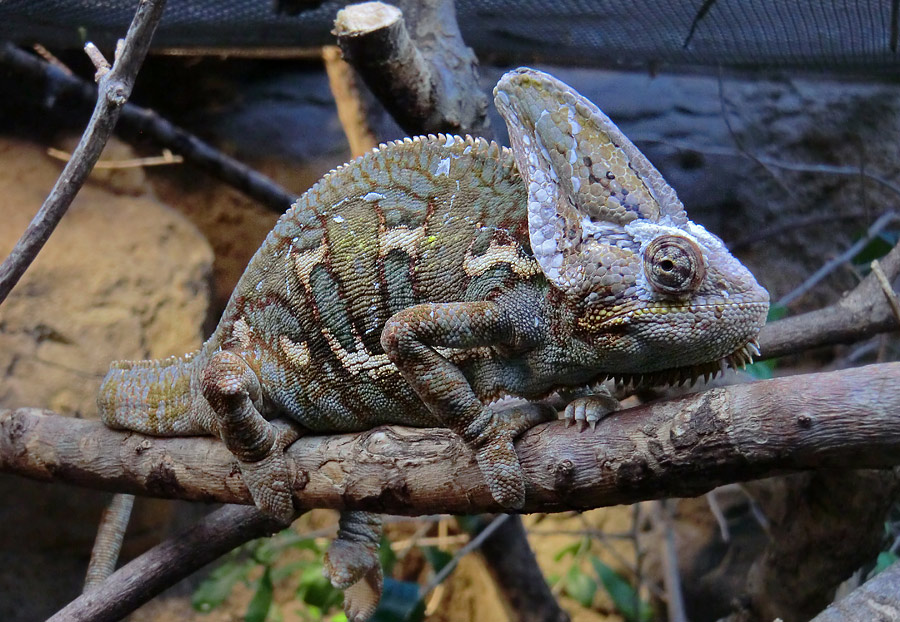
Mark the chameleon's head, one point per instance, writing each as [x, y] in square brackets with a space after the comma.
[649, 290]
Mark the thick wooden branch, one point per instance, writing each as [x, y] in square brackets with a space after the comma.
[425, 77]
[680, 447]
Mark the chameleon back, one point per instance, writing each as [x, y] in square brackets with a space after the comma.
[437, 219]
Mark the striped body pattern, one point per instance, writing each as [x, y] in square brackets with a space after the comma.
[430, 219]
[420, 282]
[434, 219]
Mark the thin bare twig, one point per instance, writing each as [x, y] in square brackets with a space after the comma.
[671, 578]
[883, 221]
[740, 143]
[802, 167]
[44, 53]
[166, 158]
[889, 292]
[472, 545]
[114, 89]
[861, 313]
[167, 563]
[149, 125]
[716, 510]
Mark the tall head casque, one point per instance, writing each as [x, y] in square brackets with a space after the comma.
[650, 290]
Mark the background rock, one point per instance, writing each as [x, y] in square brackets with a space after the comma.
[123, 276]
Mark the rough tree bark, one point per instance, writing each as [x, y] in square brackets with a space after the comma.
[427, 78]
[823, 526]
[169, 562]
[878, 599]
[679, 447]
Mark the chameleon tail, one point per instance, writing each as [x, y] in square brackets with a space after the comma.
[108, 543]
[151, 397]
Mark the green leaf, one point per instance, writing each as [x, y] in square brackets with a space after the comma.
[570, 549]
[885, 559]
[580, 586]
[314, 589]
[878, 247]
[776, 312]
[213, 591]
[470, 523]
[762, 370]
[292, 539]
[622, 593]
[386, 556]
[267, 550]
[400, 602]
[280, 573]
[436, 557]
[259, 605]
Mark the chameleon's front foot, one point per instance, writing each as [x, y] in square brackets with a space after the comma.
[496, 453]
[352, 564]
[590, 409]
[233, 391]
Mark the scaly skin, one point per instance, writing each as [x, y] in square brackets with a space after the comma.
[422, 281]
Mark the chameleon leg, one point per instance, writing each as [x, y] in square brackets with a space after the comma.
[409, 338]
[352, 563]
[590, 409]
[233, 391]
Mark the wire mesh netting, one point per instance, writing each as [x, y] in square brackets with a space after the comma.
[825, 35]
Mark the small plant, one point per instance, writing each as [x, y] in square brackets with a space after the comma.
[582, 586]
[400, 602]
[312, 587]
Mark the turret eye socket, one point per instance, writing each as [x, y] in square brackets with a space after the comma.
[674, 265]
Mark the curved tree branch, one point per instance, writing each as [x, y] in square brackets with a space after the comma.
[679, 447]
[876, 599]
[146, 123]
[863, 312]
[167, 563]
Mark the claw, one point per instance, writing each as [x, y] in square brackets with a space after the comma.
[723, 366]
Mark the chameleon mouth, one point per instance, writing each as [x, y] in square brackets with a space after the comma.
[739, 359]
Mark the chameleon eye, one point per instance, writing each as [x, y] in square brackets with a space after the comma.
[674, 265]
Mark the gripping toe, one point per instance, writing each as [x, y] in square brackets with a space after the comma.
[269, 479]
[500, 467]
[361, 598]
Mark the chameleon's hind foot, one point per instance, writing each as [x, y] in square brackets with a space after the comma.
[269, 479]
[361, 598]
[232, 389]
[352, 564]
[496, 453]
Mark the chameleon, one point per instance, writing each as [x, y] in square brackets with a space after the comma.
[427, 279]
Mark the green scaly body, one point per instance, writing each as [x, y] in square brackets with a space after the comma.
[423, 280]
[432, 219]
